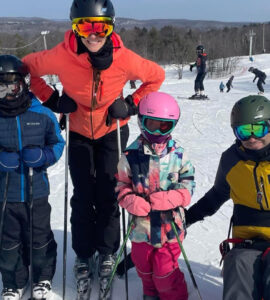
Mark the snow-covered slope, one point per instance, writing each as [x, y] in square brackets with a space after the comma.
[204, 130]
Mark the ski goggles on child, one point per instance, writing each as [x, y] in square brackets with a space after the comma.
[10, 85]
[156, 125]
[100, 26]
[245, 132]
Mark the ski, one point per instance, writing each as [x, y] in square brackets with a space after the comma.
[199, 97]
[103, 282]
[84, 288]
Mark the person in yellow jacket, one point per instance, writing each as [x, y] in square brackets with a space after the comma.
[244, 176]
[93, 66]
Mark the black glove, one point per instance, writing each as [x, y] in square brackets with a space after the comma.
[63, 104]
[121, 109]
[190, 68]
[51, 103]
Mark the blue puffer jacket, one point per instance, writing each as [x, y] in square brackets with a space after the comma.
[37, 126]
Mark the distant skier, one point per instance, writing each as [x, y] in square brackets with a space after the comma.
[201, 72]
[229, 83]
[221, 87]
[155, 181]
[261, 75]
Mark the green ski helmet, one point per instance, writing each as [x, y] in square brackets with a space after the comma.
[250, 110]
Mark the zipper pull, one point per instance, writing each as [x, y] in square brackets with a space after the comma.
[259, 199]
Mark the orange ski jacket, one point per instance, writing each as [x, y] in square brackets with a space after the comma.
[93, 91]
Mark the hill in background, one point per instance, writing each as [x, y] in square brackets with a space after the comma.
[32, 26]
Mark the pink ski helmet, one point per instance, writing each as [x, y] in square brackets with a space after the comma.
[160, 106]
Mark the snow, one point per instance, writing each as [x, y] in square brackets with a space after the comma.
[204, 131]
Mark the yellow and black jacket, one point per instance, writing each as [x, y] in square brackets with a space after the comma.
[243, 176]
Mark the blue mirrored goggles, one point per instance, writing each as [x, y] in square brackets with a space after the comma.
[157, 125]
[246, 131]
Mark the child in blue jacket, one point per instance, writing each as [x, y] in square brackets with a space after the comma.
[29, 138]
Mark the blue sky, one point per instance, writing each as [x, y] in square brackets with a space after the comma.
[221, 10]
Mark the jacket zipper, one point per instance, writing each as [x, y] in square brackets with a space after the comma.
[95, 85]
[263, 189]
[259, 192]
[21, 164]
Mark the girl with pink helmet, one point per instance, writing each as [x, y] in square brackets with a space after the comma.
[155, 181]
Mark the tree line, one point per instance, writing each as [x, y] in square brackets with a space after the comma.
[168, 45]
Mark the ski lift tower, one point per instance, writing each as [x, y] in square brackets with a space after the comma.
[44, 33]
[251, 35]
[53, 79]
[263, 44]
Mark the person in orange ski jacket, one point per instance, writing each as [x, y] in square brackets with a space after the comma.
[93, 66]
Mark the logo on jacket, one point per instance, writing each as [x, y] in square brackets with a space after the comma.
[32, 123]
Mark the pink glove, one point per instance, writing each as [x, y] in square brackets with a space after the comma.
[135, 205]
[167, 200]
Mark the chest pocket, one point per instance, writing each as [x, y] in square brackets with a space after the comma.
[33, 131]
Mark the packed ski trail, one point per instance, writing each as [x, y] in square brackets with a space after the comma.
[204, 131]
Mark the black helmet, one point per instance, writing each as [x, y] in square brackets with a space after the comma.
[250, 110]
[91, 8]
[251, 69]
[12, 64]
[14, 86]
[200, 49]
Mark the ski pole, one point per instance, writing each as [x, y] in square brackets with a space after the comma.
[31, 229]
[118, 259]
[186, 259]
[65, 209]
[3, 208]
[123, 211]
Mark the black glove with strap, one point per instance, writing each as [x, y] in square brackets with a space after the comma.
[121, 109]
[63, 104]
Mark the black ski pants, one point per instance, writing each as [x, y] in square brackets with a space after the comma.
[260, 85]
[246, 275]
[199, 82]
[95, 217]
[14, 253]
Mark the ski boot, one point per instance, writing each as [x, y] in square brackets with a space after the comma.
[42, 290]
[195, 96]
[106, 265]
[12, 294]
[84, 270]
[203, 97]
[120, 271]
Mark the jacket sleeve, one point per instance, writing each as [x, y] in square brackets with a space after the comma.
[178, 194]
[40, 64]
[212, 200]
[128, 199]
[54, 140]
[150, 73]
